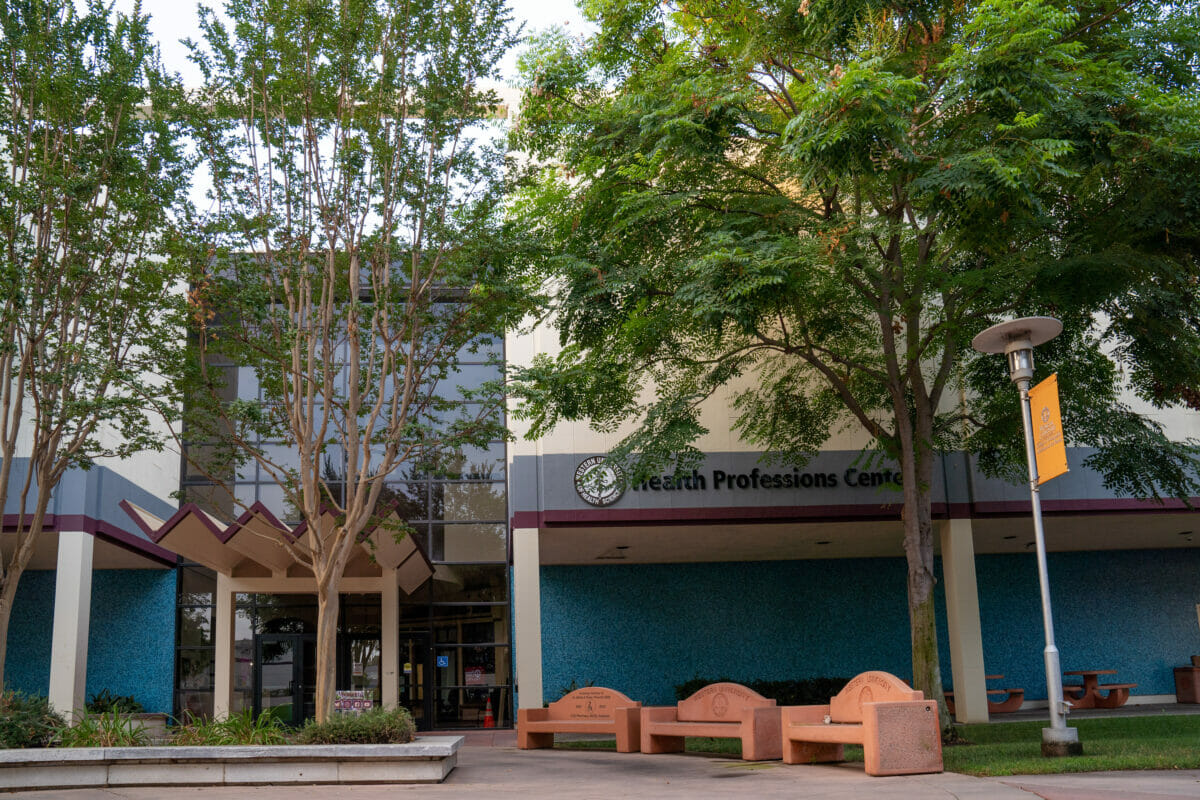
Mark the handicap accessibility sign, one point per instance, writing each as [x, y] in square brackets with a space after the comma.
[443, 661]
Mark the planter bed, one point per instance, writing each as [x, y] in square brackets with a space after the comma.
[427, 760]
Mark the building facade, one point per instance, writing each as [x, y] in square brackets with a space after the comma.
[530, 571]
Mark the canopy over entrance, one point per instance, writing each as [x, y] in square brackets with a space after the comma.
[258, 545]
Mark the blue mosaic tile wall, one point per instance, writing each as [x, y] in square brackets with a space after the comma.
[642, 629]
[131, 645]
[131, 642]
[27, 662]
[1130, 610]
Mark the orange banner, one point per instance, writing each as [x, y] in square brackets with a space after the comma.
[1047, 430]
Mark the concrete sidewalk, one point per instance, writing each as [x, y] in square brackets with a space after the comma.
[505, 772]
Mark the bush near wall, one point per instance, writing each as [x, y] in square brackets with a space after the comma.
[797, 692]
[378, 726]
[27, 721]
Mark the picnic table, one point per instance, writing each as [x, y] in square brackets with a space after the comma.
[1088, 695]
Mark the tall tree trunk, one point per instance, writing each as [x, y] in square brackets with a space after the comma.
[327, 624]
[918, 551]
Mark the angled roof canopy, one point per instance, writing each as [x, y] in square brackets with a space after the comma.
[257, 543]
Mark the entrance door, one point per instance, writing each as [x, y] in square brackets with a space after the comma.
[358, 665]
[285, 671]
[416, 668]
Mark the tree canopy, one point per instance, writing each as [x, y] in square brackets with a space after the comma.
[355, 222]
[824, 201]
[92, 173]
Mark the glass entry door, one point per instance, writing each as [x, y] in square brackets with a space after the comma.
[358, 665]
[285, 672]
[415, 670]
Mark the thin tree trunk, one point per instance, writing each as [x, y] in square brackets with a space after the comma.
[8, 595]
[327, 624]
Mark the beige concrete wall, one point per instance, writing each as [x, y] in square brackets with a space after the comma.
[717, 414]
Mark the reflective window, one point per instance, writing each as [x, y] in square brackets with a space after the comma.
[463, 502]
[469, 542]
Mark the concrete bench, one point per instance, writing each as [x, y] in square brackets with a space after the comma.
[897, 728]
[719, 710]
[592, 709]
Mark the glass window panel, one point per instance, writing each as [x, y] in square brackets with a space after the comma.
[487, 347]
[195, 668]
[207, 462]
[247, 383]
[194, 704]
[468, 502]
[472, 382]
[196, 585]
[274, 600]
[361, 618]
[271, 495]
[214, 499]
[466, 707]
[471, 624]
[469, 542]
[470, 463]
[243, 624]
[287, 619]
[410, 499]
[470, 583]
[195, 626]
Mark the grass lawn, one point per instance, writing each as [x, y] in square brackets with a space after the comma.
[1014, 748]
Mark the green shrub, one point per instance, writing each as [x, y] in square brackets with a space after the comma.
[801, 692]
[110, 729]
[104, 700]
[27, 721]
[236, 729]
[377, 726]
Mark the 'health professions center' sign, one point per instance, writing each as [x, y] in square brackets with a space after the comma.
[1047, 430]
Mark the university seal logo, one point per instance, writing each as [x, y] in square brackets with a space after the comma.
[599, 482]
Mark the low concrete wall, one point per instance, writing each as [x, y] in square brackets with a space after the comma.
[427, 760]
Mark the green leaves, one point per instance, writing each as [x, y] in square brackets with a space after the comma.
[843, 193]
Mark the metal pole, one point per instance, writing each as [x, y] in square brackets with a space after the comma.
[1058, 739]
[1053, 669]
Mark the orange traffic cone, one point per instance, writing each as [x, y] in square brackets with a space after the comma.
[488, 720]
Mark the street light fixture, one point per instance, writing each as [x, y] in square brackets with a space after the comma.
[1016, 340]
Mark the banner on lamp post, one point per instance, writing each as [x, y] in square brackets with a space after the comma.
[1048, 440]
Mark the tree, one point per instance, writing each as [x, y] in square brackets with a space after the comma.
[91, 319]
[824, 201]
[357, 206]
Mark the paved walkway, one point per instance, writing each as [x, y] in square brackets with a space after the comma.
[488, 769]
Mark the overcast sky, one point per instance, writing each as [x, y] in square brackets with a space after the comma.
[172, 20]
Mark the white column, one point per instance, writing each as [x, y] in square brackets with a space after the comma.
[72, 616]
[962, 619]
[527, 617]
[389, 646]
[223, 640]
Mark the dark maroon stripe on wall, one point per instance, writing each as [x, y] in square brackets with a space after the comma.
[835, 513]
[105, 530]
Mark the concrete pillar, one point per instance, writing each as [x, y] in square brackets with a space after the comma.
[72, 617]
[389, 646]
[527, 617]
[962, 619]
[223, 657]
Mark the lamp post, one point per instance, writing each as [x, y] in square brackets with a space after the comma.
[1016, 339]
